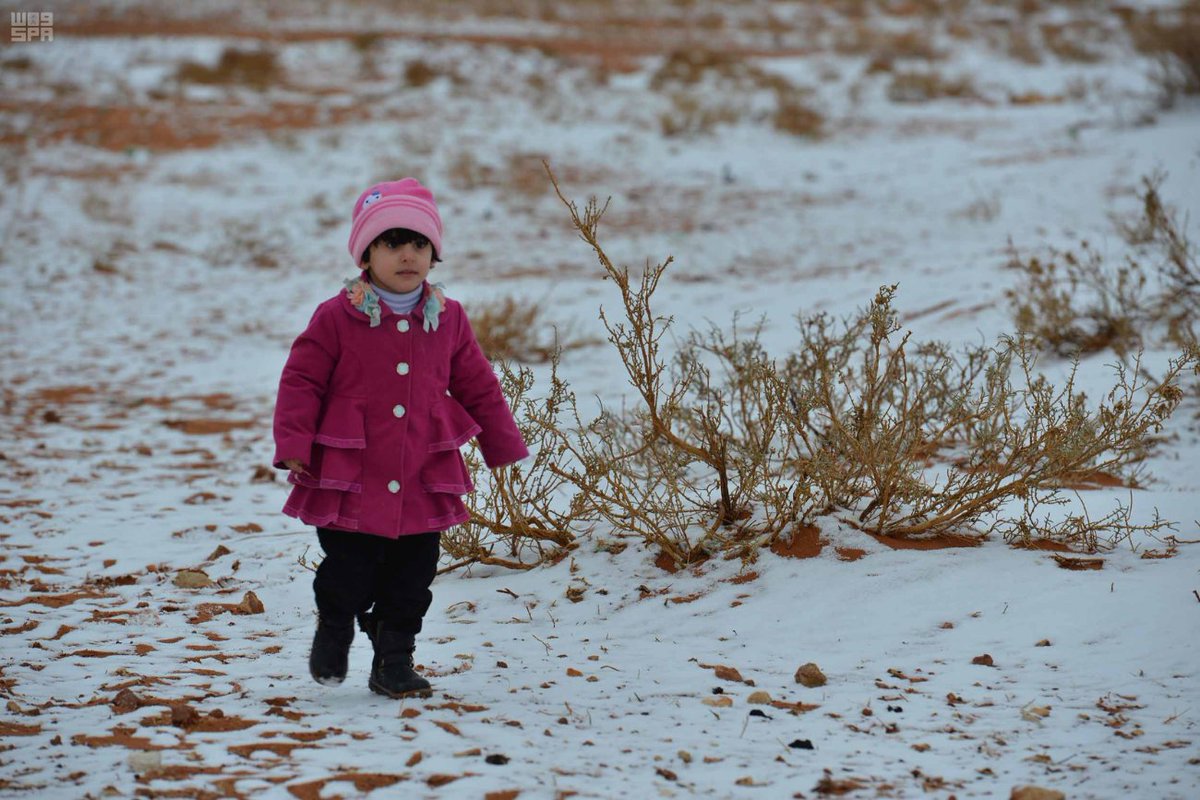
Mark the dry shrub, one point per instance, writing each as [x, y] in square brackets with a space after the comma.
[886, 46]
[693, 116]
[466, 171]
[798, 119]
[727, 448]
[1022, 44]
[514, 330]
[517, 519]
[1073, 42]
[707, 88]
[692, 470]
[1173, 35]
[258, 69]
[1076, 302]
[919, 87]
[877, 410]
[418, 73]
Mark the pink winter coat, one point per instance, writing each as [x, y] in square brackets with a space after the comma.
[378, 414]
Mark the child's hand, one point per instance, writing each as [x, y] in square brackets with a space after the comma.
[296, 465]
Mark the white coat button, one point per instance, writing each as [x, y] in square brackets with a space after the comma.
[393, 486]
[402, 368]
[402, 326]
[398, 410]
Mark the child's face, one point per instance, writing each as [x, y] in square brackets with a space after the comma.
[400, 267]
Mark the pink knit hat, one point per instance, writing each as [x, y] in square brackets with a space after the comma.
[394, 204]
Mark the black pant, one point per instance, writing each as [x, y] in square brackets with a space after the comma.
[393, 574]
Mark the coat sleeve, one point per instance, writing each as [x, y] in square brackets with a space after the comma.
[302, 388]
[475, 386]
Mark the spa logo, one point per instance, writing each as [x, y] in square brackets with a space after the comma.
[31, 26]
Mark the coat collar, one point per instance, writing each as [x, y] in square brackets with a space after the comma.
[363, 301]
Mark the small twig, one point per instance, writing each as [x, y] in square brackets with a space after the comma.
[303, 561]
[534, 635]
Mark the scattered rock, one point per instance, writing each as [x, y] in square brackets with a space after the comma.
[250, 605]
[685, 756]
[984, 660]
[663, 772]
[221, 550]
[1043, 643]
[920, 747]
[810, 675]
[1035, 713]
[126, 701]
[801, 744]
[728, 673]
[263, 475]
[1035, 793]
[192, 579]
[759, 698]
[720, 701]
[143, 761]
[497, 759]
[183, 715]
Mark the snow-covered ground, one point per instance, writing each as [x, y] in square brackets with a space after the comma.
[150, 294]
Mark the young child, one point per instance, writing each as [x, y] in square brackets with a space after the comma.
[377, 396]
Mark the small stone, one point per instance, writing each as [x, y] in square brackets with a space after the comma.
[720, 701]
[221, 550]
[143, 761]
[1035, 793]
[801, 744]
[984, 660]
[728, 673]
[192, 579]
[759, 698]
[250, 604]
[685, 756]
[920, 747]
[183, 715]
[126, 701]
[810, 675]
[1043, 643]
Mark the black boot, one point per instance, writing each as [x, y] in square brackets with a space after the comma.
[330, 654]
[392, 671]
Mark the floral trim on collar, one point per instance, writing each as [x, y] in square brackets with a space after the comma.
[362, 295]
[435, 302]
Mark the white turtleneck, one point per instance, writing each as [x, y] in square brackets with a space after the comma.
[400, 302]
